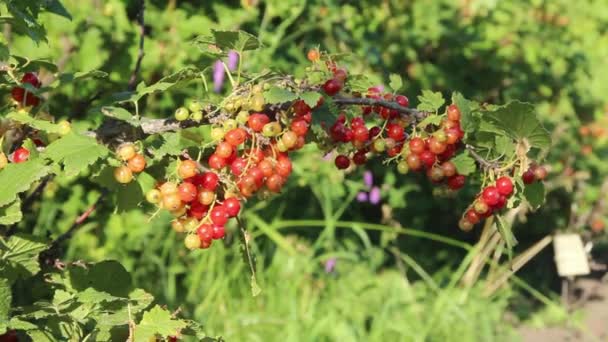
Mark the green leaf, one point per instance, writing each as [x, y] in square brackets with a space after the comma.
[4, 52]
[430, 101]
[430, 120]
[535, 194]
[121, 114]
[465, 165]
[311, 98]
[157, 321]
[54, 6]
[107, 276]
[506, 232]
[16, 178]
[396, 82]
[504, 146]
[20, 256]
[41, 125]
[125, 196]
[278, 95]
[76, 152]
[518, 121]
[468, 122]
[173, 144]
[67, 78]
[235, 40]
[6, 297]
[11, 213]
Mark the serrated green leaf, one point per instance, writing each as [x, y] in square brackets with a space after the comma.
[311, 98]
[54, 6]
[235, 40]
[157, 321]
[430, 120]
[41, 125]
[11, 213]
[146, 181]
[20, 256]
[67, 78]
[396, 82]
[506, 232]
[430, 101]
[518, 121]
[465, 165]
[76, 152]
[106, 276]
[172, 144]
[279, 95]
[121, 114]
[535, 194]
[16, 178]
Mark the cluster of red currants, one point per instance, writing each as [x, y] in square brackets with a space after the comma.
[133, 162]
[196, 204]
[491, 199]
[20, 155]
[534, 173]
[24, 97]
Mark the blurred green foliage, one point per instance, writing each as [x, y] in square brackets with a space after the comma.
[550, 53]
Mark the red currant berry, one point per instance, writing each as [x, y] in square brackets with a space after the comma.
[428, 158]
[395, 131]
[205, 232]
[301, 108]
[456, 182]
[274, 183]
[187, 192]
[472, 216]
[232, 205]
[359, 158]
[218, 232]
[216, 162]
[257, 121]
[504, 186]
[490, 196]
[299, 127]
[414, 162]
[283, 166]
[21, 154]
[219, 215]
[436, 146]
[197, 210]
[540, 173]
[449, 169]
[31, 78]
[235, 136]
[342, 162]
[332, 87]
[417, 145]
[210, 181]
[528, 177]
[18, 94]
[374, 132]
[187, 168]
[402, 100]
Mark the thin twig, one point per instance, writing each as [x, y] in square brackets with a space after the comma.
[365, 101]
[486, 164]
[140, 55]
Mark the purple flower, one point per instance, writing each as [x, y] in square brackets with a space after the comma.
[330, 264]
[233, 60]
[368, 179]
[373, 196]
[218, 76]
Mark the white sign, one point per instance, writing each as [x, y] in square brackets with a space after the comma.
[570, 256]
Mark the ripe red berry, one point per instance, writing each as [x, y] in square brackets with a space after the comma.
[435, 174]
[219, 215]
[417, 145]
[187, 192]
[20, 155]
[402, 100]
[374, 132]
[332, 87]
[218, 232]
[210, 180]
[490, 195]
[238, 165]
[216, 162]
[456, 182]
[274, 183]
[313, 55]
[428, 158]
[205, 232]
[223, 149]
[502, 201]
[31, 78]
[301, 108]
[197, 210]
[504, 186]
[340, 75]
[453, 113]
[342, 162]
[540, 173]
[395, 131]
[283, 166]
[235, 136]
[232, 205]
[361, 133]
[18, 94]
[299, 127]
[472, 216]
[256, 121]
[359, 158]
[266, 167]
[528, 177]
[452, 136]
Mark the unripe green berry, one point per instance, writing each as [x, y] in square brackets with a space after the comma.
[181, 114]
